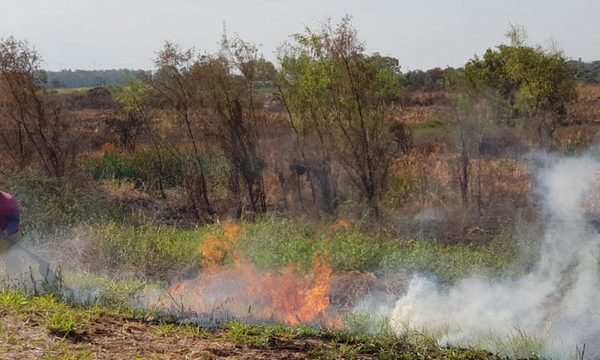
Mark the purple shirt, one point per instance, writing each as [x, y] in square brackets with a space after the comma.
[9, 209]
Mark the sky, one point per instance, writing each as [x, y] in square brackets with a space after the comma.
[103, 34]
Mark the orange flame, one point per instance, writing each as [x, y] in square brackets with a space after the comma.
[107, 148]
[287, 296]
[215, 249]
[341, 224]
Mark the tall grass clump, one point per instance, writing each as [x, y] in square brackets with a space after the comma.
[51, 205]
[156, 251]
[91, 289]
[449, 263]
[142, 167]
[273, 242]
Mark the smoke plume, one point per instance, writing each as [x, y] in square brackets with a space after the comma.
[556, 302]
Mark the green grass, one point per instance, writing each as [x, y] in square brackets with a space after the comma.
[362, 333]
[120, 238]
[337, 344]
[64, 321]
[58, 317]
[154, 250]
[91, 289]
[132, 258]
[450, 262]
[142, 167]
[50, 205]
[12, 299]
[272, 243]
[519, 345]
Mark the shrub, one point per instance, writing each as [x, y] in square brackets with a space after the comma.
[52, 204]
[141, 167]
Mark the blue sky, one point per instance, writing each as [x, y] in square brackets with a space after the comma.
[420, 33]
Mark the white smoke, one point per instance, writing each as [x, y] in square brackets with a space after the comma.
[557, 301]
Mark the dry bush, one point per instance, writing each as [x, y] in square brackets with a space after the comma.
[35, 126]
[421, 114]
[586, 110]
[576, 138]
[426, 98]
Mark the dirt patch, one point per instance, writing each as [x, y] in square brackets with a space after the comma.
[23, 337]
[110, 336]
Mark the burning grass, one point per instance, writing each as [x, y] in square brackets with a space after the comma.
[272, 269]
[309, 286]
[271, 244]
[288, 295]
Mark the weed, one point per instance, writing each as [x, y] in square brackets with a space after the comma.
[242, 333]
[61, 323]
[12, 299]
[194, 331]
[366, 323]
[164, 329]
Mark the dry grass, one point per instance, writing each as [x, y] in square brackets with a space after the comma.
[586, 109]
[421, 114]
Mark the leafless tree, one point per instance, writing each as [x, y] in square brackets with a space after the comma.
[28, 111]
[227, 80]
[178, 89]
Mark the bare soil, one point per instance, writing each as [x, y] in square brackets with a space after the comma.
[25, 335]
[117, 338]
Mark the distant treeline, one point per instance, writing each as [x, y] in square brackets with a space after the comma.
[588, 72]
[427, 80]
[89, 78]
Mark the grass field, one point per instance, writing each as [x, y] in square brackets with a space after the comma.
[116, 260]
[41, 327]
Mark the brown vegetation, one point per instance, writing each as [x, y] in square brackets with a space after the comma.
[203, 137]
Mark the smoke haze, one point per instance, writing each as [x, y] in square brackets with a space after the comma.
[556, 302]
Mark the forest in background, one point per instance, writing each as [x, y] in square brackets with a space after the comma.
[588, 72]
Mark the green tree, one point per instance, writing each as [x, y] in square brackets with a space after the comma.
[265, 71]
[136, 99]
[514, 85]
[339, 97]
[386, 63]
[526, 82]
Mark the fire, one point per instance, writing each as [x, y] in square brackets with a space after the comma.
[107, 148]
[215, 249]
[289, 296]
[297, 299]
[341, 224]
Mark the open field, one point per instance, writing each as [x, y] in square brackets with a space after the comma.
[327, 205]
